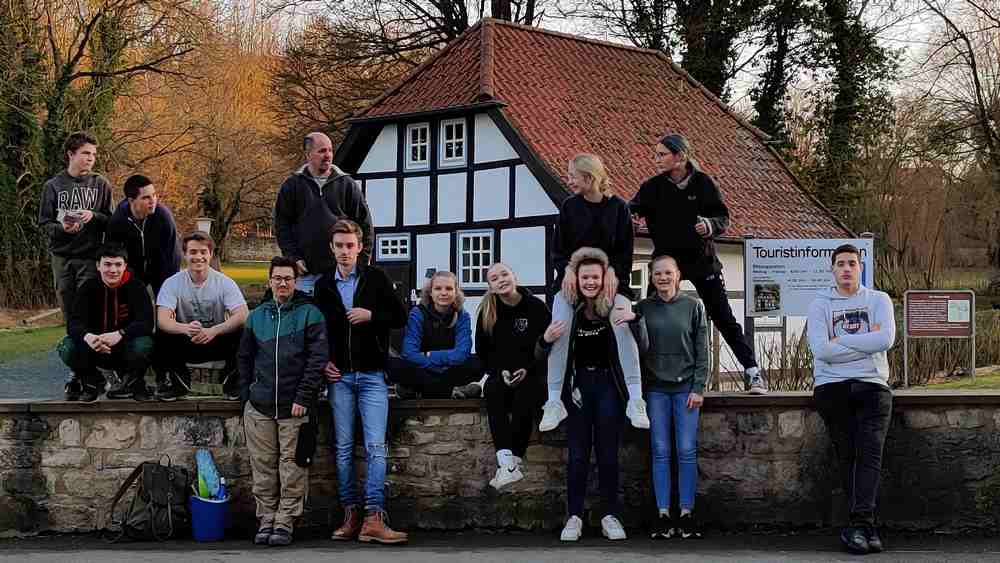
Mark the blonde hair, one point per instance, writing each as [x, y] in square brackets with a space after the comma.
[487, 311]
[425, 293]
[589, 255]
[593, 166]
[662, 257]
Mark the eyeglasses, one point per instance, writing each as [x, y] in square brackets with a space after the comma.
[282, 279]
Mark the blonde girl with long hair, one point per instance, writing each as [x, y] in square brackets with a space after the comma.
[509, 325]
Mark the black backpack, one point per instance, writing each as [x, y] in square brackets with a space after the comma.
[159, 506]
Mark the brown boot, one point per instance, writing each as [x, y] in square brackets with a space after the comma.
[375, 529]
[351, 526]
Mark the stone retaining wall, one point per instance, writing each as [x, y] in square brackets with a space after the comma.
[764, 462]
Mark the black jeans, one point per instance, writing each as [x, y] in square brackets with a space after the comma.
[857, 416]
[712, 291]
[513, 411]
[174, 351]
[130, 356]
[433, 384]
[597, 424]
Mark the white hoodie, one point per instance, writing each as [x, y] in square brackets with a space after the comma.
[859, 352]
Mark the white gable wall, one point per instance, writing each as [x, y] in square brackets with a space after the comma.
[524, 251]
[491, 198]
[382, 156]
[417, 200]
[451, 198]
[490, 142]
[433, 251]
[381, 197]
[530, 200]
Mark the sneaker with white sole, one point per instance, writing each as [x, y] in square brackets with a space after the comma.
[506, 476]
[636, 413]
[757, 384]
[468, 391]
[553, 412]
[573, 529]
[612, 529]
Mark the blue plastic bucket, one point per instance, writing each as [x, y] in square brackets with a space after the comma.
[209, 518]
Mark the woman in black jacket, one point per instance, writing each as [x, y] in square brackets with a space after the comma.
[684, 212]
[510, 322]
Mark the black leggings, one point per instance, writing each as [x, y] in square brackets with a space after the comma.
[513, 411]
[434, 384]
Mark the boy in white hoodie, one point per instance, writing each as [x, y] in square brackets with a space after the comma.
[850, 329]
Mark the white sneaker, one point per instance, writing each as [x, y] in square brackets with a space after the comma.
[636, 412]
[757, 384]
[553, 412]
[506, 476]
[573, 529]
[611, 528]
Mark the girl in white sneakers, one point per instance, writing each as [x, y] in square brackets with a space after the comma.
[596, 390]
[595, 218]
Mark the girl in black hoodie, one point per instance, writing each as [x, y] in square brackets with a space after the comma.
[510, 322]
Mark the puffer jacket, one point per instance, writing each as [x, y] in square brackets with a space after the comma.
[282, 356]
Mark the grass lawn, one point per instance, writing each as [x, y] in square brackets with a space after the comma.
[988, 380]
[246, 273]
[17, 342]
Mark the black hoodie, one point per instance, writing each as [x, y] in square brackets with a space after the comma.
[511, 344]
[99, 309]
[153, 252]
[606, 225]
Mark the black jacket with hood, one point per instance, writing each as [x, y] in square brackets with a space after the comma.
[365, 346]
[305, 211]
[671, 213]
[153, 251]
[99, 309]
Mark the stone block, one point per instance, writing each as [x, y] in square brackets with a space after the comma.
[90, 484]
[754, 423]
[69, 432]
[65, 457]
[115, 434]
[444, 448]
[72, 516]
[463, 419]
[149, 432]
[965, 418]
[19, 457]
[412, 421]
[236, 433]
[921, 419]
[432, 420]
[715, 434]
[791, 424]
[192, 431]
[416, 438]
[539, 453]
[398, 452]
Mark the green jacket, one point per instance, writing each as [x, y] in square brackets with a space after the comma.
[673, 344]
[282, 356]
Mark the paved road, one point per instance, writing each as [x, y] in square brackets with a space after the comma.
[36, 376]
[475, 548]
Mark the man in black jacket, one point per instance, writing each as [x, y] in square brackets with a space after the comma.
[110, 326]
[684, 211]
[147, 230]
[310, 201]
[360, 307]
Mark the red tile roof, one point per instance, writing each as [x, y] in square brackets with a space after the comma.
[566, 94]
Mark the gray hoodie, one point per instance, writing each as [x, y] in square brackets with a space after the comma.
[859, 352]
[67, 193]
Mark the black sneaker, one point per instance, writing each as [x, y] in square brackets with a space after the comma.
[171, 392]
[230, 394]
[73, 389]
[874, 541]
[89, 393]
[663, 528]
[853, 538]
[688, 527]
[120, 392]
[403, 392]
[141, 393]
[280, 536]
[262, 536]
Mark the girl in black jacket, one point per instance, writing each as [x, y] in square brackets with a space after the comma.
[510, 322]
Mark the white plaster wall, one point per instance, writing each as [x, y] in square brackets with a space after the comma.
[523, 250]
[417, 200]
[472, 305]
[381, 197]
[433, 251]
[451, 198]
[382, 156]
[490, 142]
[491, 198]
[530, 199]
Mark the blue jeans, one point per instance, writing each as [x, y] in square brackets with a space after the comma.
[664, 409]
[364, 393]
[596, 424]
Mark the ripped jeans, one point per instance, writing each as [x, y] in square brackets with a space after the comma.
[360, 393]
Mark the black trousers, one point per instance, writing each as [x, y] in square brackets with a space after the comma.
[174, 351]
[712, 291]
[513, 411]
[433, 384]
[857, 416]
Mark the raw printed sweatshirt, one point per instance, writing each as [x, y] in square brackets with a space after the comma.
[64, 193]
[859, 352]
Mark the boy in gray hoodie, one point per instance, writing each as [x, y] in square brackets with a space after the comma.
[850, 330]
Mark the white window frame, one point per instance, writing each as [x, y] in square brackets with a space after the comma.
[458, 142]
[426, 145]
[402, 243]
[486, 258]
[643, 269]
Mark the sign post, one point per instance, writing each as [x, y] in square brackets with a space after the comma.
[936, 313]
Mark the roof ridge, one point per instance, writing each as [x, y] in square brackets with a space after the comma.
[413, 73]
[486, 90]
[564, 35]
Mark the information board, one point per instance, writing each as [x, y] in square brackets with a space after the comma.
[938, 314]
[783, 276]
